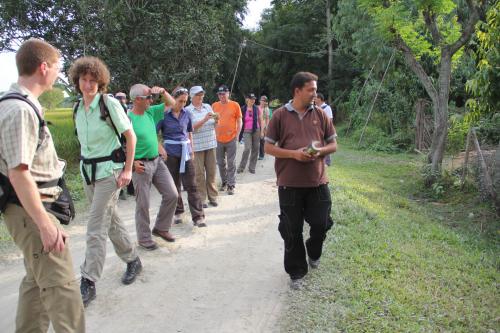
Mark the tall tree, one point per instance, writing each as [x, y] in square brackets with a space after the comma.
[162, 42]
[432, 28]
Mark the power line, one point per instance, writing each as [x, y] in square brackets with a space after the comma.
[286, 51]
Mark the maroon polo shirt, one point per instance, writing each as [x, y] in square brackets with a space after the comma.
[289, 131]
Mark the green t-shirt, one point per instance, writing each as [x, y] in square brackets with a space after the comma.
[145, 130]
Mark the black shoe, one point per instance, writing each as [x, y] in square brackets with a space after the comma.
[239, 171]
[230, 190]
[205, 205]
[213, 203]
[87, 289]
[133, 269]
[252, 171]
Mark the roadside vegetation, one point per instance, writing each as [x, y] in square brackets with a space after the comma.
[398, 259]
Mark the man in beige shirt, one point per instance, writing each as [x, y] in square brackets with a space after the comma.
[49, 291]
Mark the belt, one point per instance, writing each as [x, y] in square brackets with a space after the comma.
[146, 159]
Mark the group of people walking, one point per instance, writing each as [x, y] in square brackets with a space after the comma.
[167, 145]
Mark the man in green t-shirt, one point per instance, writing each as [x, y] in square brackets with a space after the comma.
[149, 167]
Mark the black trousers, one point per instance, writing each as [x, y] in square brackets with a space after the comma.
[313, 205]
[261, 148]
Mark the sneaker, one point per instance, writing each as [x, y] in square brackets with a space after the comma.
[222, 188]
[133, 269]
[149, 247]
[200, 223]
[313, 263]
[213, 203]
[177, 218]
[230, 190]
[297, 284]
[87, 289]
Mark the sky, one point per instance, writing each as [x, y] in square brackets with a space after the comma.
[8, 62]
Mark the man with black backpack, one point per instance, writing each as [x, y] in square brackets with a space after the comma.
[30, 170]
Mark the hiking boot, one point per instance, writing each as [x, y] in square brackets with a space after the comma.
[87, 289]
[297, 284]
[313, 263]
[177, 218]
[230, 190]
[200, 223]
[222, 187]
[133, 269]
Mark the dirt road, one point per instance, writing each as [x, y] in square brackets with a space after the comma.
[227, 277]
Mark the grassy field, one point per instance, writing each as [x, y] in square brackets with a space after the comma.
[397, 261]
[63, 133]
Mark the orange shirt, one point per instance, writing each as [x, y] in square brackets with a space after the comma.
[229, 115]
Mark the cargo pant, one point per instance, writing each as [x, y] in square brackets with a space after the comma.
[252, 144]
[49, 292]
[310, 204]
[103, 222]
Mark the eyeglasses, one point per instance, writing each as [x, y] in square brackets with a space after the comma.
[145, 97]
[180, 91]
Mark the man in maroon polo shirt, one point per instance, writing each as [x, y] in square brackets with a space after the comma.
[302, 181]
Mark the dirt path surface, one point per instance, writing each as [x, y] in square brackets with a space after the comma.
[227, 277]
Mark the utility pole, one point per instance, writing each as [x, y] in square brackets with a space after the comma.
[330, 48]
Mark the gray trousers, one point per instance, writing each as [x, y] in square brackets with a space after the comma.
[206, 167]
[103, 221]
[227, 175]
[252, 144]
[156, 173]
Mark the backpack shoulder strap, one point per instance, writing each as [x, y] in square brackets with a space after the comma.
[105, 116]
[25, 99]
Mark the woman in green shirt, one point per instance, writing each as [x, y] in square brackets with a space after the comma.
[103, 175]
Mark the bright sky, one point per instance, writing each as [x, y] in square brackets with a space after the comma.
[8, 62]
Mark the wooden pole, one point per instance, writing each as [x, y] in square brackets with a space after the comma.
[330, 48]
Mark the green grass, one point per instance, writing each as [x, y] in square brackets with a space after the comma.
[396, 261]
[67, 147]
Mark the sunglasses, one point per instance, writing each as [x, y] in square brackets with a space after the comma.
[145, 97]
[180, 91]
